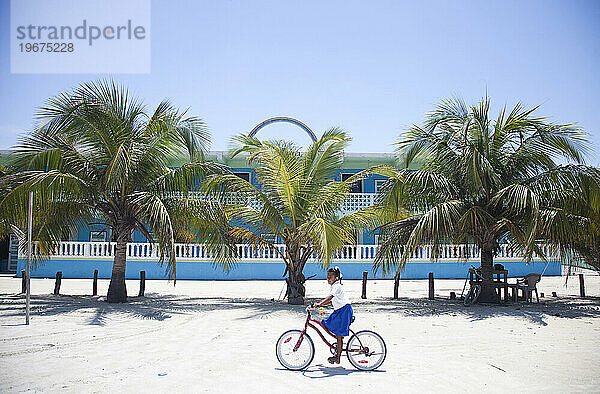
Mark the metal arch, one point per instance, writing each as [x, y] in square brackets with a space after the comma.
[283, 119]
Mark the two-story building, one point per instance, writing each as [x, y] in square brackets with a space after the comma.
[89, 247]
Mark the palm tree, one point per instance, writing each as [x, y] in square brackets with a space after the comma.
[96, 155]
[481, 181]
[573, 221]
[298, 201]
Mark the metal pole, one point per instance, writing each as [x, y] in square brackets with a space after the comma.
[29, 220]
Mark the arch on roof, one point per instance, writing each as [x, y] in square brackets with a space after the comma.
[285, 119]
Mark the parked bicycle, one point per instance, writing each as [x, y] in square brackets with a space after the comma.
[295, 349]
[474, 290]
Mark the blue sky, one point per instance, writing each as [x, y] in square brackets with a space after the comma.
[373, 68]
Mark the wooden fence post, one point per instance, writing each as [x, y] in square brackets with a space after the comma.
[142, 283]
[431, 292]
[581, 286]
[57, 283]
[95, 283]
[396, 284]
[364, 285]
[23, 282]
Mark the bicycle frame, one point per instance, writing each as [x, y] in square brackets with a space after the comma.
[477, 276]
[308, 324]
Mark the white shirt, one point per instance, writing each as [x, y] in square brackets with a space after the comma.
[339, 299]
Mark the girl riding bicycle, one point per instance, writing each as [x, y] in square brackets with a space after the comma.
[338, 323]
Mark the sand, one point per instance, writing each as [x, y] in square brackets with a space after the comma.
[220, 337]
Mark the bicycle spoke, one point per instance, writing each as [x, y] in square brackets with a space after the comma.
[366, 350]
[294, 359]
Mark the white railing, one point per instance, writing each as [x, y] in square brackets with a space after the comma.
[353, 203]
[357, 201]
[251, 252]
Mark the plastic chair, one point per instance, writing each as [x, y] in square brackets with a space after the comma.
[528, 285]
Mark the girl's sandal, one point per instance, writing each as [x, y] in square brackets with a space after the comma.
[333, 360]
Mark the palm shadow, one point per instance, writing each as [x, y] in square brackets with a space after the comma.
[162, 307]
[152, 307]
[536, 313]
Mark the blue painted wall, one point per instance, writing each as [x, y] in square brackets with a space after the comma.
[271, 271]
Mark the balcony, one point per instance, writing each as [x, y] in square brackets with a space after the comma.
[353, 203]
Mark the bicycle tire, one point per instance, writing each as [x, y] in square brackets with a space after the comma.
[359, 343]
[472, 295]
[284, 349]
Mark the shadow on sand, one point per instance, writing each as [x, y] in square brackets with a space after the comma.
[161, 307]
[153, 306]
[320, 371]
[564, 307]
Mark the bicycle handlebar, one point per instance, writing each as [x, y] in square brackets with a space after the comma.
[307, 309]
[477, 271]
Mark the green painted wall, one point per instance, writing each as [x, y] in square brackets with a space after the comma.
[351, 160]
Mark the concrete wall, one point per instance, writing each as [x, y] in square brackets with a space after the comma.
[245, 270]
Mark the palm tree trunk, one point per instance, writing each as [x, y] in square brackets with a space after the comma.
[295, 280]
[117, 290]
[488, 291]
[295, 287]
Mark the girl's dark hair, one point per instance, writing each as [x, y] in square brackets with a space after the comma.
[336, 271]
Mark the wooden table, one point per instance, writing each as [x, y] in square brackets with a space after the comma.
[514, 288]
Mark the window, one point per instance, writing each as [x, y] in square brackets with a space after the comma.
[152, 237]
[98, 236]
[359, 237]
[379, 183]
[269, 237]
[244, 175]
[379, 239]
[13, 253]
[357, 187]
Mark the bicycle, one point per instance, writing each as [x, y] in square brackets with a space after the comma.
[295, 349]
[474, 290]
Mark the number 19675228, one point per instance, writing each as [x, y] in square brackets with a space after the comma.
[46, 47]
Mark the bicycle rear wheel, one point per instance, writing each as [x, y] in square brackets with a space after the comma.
[366, 350]
[298, 359]
[472, 295]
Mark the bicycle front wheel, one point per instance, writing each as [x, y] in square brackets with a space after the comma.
[472, 295]
[299, 358]
[366, 350]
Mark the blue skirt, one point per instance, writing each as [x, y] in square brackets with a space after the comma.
[338, 322]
